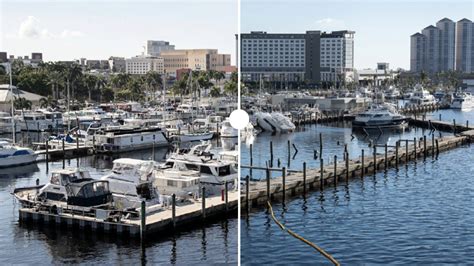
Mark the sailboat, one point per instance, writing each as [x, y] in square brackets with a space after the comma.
[10, 153]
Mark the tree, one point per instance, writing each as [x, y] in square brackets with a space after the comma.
[22, 103]
[47, 102]
[153, 81]
[215, 92]
[91, 82]
[107, 94]
[230, 88]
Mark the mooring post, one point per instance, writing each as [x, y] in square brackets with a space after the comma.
[93, 143]
[289, 151]
[173, 209]
[432, 145]
[226, 196]
[271, 153]
[77, 149]
[335, 170]
[437, 148]
[454, 127]
[406, 152]
[247, 184]
[424, 147]
[64, 155]
[47, 154]
[143, 220]
[439, 117]
[396, 154]
[203, 196]
[347, 167]
[363, 166]
[283, 179]
[268, 184]
[321, 178]
[375, 159]
[251, 159]
[414, 147]
[386, 157]
[320, 145]
[304, 177]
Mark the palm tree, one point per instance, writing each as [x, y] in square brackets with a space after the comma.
[91, 82]
[153, 81]
[215, 92]
[100, 85]
[21, 103]
[47, 102]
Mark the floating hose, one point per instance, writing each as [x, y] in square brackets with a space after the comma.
[309, 243]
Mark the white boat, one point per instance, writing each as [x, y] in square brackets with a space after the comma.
[129, 139]
[283, 122]
[379, 116]
[33, 121]
[54, 118]
[462, 101]
[12, 155]
[67, 188]
[211, 122]
[392, 93]
[190, 136]
[131, 181]
[177, 180]
[227, 131]
[6, 124]
[421, 97]
[266, 122]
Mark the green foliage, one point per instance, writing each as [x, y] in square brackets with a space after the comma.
[22, 104]
[215, 92]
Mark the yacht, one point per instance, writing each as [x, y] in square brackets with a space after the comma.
[131, 181]
[421, 97]
[227, 131]
[128, 139]
[462, 101]
[33, 121]
[379, 116]
[6, 124]
[178, 180]
[211, 122]
[12, 155]
[67, 188]
[54, 118]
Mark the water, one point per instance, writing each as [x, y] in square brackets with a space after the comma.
[421, 213]
[213, 243]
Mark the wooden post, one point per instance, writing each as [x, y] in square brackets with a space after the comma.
[268, 184]
[289, 157]
[47, 154]
[335, 170]
[203, 197]
[396, 154]
[386, 157]
[437, 148]
[173, 209]
[454, 127]
[424, 147]
[283, 177]
[406, 152]
[347, 167]
[375, 159]
[143, 220]
[226, 197]
[414, 146]
[320, 145]
[271, 153]
[304, 178]
[247, 184]
[321, 179]
[77, 149]
[93, 143]
[432, 145]
[363, 166]
[251, 159]
[64, 155]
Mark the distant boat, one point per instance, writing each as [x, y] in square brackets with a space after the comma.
[462, 101]
[12, 155]
[379, 116]
[227, 131]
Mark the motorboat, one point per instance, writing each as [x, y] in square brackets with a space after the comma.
[7, 124]
[211, 122]
[33, 121]
[70, 188]
[379, 116]
[421, 97]
[178, 180]
[462, 101]
[227, 131]
[131, 181]
[186, 136]
[13, 155]
[123, 139]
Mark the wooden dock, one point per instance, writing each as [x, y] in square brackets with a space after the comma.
[256, 193]
[158, 222]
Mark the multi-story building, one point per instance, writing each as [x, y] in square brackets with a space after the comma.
[3, 57]
[444, 47]
[96, 64]
[312, 56]
[141, 65]
[194, 59]
[154, 48]
[447, 44]
[465, 46]
[117, 64]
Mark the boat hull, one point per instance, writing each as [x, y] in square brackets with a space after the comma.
[11, 161]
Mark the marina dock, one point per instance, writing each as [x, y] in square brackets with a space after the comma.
[168, 219]
[380, 158]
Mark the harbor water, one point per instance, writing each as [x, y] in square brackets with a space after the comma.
[211, 243]
[421, 213]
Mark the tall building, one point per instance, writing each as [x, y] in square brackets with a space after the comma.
[312, 56]
[141, 65]
[195, 59]
[117, 64]
[465, 46]
[447, 44]
[432, 49]
[154, 48]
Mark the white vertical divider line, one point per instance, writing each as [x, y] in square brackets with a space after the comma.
[239, 75]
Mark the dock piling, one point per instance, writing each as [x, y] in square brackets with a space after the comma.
[363, 166]
[424, 147]
[321, 173]
[397, 143]
[386, 157]
[251, 159]
[226, 196]
[415, 150]
[268, 184]
[173, 209]
[432, 145]
[304, 178]
[64, 154]
[247, 189]
[271, 153]
[283, 178]
[335, 170]
[375, 159]
[203, 197]
[347, 167]
[289, 152]
[143, 220]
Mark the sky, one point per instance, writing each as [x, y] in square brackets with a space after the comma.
[383, 28]
[72, 29]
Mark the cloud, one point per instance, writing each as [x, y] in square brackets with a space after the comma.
[31, 28]
[330, 24]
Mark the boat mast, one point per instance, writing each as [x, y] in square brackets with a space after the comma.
[13, 106]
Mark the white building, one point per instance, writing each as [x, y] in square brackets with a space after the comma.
[337, 55]
[142, 65]
[6, 96]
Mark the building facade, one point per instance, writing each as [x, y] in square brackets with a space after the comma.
[117, 64]
[465, 46]
[141, 65]
[312, 56]
[432, 49]
[154, 48]
[194, 59]
[447, 46]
